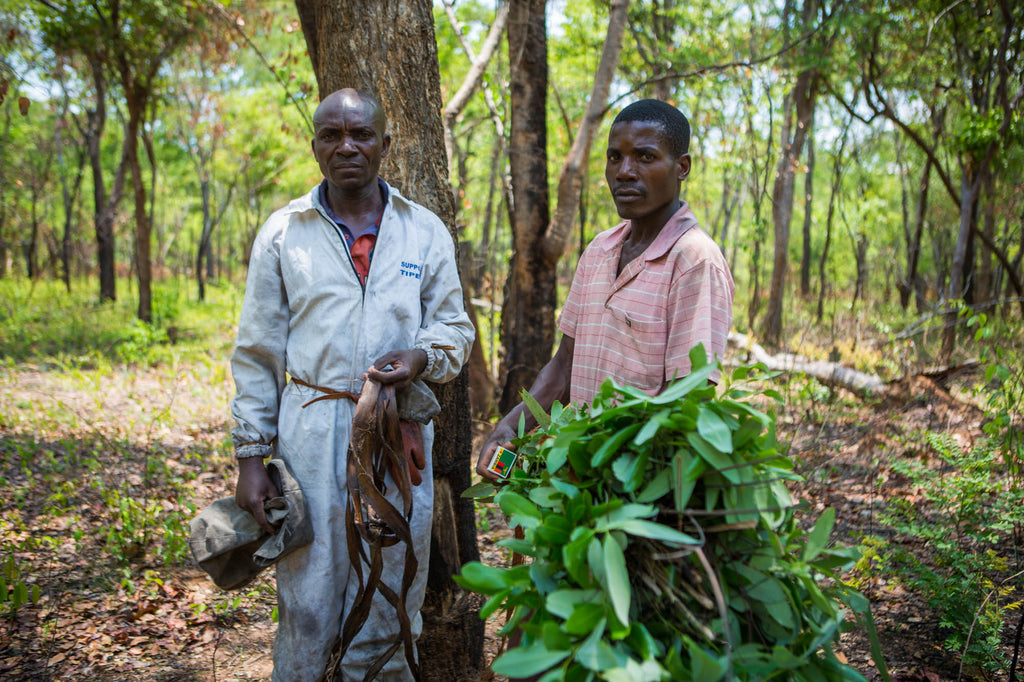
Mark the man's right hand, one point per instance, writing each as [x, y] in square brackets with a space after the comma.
[254, 486]
[502, 435]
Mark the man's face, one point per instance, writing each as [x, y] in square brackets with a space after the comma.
[349, 141]
[642, 174]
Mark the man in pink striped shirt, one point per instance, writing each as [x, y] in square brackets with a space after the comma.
[645, 292]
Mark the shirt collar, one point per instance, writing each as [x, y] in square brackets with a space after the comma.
[372, 229]
[681, 221]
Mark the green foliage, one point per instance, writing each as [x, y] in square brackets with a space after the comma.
[967, 512]
[664, 544]
[15, 590]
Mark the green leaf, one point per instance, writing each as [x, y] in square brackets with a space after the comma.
[554, 638]
[524, 662]
[494, 603]
[480, 490]
[703, 666]
[658, 487]
[656, 531]
[617, 579]
[686, 469]
[698, 378]
[651, 427]
[715, 458]
[714, 430]
[538, 412]
[611, 446]
[584, 618]
[596, 654]
[595, 560]
[513, 504]
[818, 538]
[567, 489]
[540, 576]
[546, 496]
[563, 602]
[574, 556]
[481, 578]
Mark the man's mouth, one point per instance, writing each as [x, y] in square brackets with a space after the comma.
[627, 193]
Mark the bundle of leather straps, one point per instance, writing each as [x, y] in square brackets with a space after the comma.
[373, 523]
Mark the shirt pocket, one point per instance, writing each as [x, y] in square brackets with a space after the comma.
[639, 342]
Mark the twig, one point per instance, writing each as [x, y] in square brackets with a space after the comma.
[722, 613]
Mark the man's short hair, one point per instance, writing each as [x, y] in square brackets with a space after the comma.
[674, 125]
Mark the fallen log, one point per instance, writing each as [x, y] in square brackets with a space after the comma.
[829, 373]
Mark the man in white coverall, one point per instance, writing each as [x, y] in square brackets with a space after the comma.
[317, 312]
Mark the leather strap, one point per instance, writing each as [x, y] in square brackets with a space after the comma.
[372, 522]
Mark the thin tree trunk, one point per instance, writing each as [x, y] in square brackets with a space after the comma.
[574, 170]
[837, 179]
[143, 265]
[803, 98]
[401, 50]
[805, 260]
[969, 189]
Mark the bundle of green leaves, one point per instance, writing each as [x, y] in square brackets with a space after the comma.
[662, 543]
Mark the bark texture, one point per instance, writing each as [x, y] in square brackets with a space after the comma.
[527, 330]
[388, 48]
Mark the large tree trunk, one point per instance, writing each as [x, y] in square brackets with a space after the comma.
[398, 53]
[527, 330]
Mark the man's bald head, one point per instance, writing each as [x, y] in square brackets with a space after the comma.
[347, 98]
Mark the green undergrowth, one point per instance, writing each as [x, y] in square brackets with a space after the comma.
[662, 543]
[966, 512]
[43, 324]
[107, 425]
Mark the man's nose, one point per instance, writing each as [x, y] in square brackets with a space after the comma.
[347, 146]
[626, 169]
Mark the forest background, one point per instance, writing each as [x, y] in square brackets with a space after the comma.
[858, 162]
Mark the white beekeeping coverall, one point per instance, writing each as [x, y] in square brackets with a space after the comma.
[306, 315]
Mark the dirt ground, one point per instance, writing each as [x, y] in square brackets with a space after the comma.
[142, 621]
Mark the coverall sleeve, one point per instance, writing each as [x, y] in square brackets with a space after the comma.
[259, 360]
[446, 334]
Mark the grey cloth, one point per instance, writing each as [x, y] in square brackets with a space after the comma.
[417, 403]
[231, 547]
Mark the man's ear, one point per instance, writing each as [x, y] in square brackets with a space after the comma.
[684, 166]
[385, 145]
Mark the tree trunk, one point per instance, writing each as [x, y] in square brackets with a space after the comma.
[574, 170]
[527, 317]
[804, 97]
[104, 205]
[805, 260]
[400, 51]
[969, 188]
[203, 250]
[143, 265]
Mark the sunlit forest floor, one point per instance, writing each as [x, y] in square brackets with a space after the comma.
[104, 460]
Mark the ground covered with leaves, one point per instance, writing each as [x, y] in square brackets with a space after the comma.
[103, 467]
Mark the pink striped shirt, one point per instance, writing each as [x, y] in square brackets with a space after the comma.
[639, 327]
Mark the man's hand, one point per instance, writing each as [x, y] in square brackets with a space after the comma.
[406, 365]
[254, 486]
[502, 435]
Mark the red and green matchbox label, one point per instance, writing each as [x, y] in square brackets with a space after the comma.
[502, 462]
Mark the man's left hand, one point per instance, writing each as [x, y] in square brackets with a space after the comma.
[406, 365]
